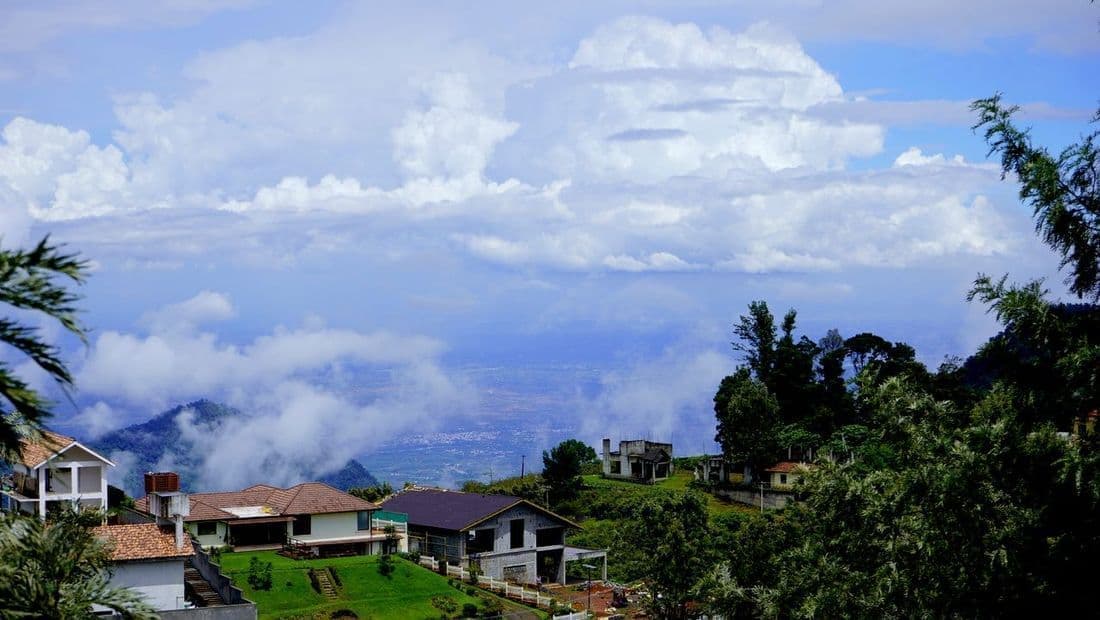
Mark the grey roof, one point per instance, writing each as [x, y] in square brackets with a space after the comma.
[454, 510]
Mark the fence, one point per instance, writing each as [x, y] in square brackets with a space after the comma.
[579, 615]
[511, 590]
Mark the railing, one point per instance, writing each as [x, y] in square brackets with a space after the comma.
[577, 615]
[512, 590]
[212, 573]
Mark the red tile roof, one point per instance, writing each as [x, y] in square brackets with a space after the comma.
[300, 499]
[33, 453]
[142, 541]
[786, 467]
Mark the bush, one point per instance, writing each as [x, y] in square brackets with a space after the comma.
[469, 610]
[343, 614]
[259, 574]
[386, 566]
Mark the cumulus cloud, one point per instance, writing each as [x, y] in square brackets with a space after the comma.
[913, 156]
[60, 174]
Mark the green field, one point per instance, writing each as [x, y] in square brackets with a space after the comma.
[678, 482]
[406, 594]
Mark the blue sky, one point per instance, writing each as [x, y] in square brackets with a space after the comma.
[274, 196]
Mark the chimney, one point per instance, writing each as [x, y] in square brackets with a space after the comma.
[606, 448]
[166, 503]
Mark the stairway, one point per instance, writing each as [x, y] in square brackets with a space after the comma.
[324, 583]
[199, 590]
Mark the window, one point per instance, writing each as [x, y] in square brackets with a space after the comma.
[782, 478]
[364, 520]
[479, 541]
[549, 536]
[616, 467]
[517, 533]
[49, 481]
[302, 524]
[208, 528]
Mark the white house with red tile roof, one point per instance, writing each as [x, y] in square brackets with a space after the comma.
[54, 470]
[784, 474]
[148, 559]
[312, 516]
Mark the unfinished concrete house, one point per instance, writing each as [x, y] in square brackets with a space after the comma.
[638, 460]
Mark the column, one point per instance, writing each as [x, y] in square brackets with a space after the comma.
[74, 484]
[42, 472]
[103, 487]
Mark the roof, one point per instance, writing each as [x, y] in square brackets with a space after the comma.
[786, 467]
[263, 500]
[655, 455]
[34, 452]
[455, 510]
[141, 541]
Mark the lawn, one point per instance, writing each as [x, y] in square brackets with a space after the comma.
[406, 594]
[678, 483]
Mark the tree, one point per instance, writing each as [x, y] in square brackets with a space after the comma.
[561, 468]
[669, 540]
[748, 428]
[757, 339]
[1063, 191]
[29, 281]
[58, 569]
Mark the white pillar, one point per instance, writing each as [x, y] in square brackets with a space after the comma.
[74, 484]
[103, 487]
[42, 473]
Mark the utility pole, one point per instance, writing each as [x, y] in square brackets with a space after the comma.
[522, 465]
[761, 496]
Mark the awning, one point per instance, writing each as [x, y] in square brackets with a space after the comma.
[571, 554]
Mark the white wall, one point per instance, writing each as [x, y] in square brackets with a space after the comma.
[503, 555]
[333, 525]
[160, 583]
[210, 540]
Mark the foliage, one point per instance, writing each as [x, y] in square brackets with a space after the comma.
[469, 610]
[748, 428]
[669, 543]
[373, 493]
[1063, 191]
[57, 569]
[561, 469]
[386, 566]
[259, 574]
[445, 604]
[29, 281]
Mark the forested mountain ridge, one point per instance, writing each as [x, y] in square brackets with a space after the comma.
[158, 442]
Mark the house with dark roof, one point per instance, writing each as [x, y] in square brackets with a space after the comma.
[311, 517]
[501, 536]
[54, 470]
[638, 460]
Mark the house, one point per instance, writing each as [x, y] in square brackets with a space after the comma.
[502, 536]
[638, 460]
[52, 471]
[784, 474]
[148, 559]
[716, 470]
[311, 517]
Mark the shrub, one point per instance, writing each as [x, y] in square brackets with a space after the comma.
[471, 591]
[386, 566]
[343, 614]
[469, 610]
[259, 574]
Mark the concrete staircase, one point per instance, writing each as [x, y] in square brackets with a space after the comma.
[324, 583]
[198, 589]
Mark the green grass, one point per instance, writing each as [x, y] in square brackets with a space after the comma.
[677, 483]
[406, 594]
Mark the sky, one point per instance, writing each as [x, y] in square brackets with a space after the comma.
[280, 199]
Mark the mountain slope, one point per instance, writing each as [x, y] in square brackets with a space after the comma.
[157, 444]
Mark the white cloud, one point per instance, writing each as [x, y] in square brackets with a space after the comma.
[668, 398]
[913, 156]
[60, 174]
[185, 316]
